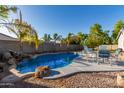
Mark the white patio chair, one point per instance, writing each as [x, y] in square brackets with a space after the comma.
[90, 54]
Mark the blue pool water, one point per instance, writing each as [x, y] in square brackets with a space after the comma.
[51, 60]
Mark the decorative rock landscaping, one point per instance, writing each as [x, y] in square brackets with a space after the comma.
[93, 79]
[79, 80]
[8, 62]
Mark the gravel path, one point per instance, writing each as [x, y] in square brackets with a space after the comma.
[79, 80]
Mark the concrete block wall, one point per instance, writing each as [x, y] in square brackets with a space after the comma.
[45, 47]
[9, 45]
[112, 47]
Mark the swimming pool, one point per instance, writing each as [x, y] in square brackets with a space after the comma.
[51, 60]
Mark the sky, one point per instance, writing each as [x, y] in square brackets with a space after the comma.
[64, 19]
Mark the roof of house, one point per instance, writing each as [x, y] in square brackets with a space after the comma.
[6, 37]
[121, 31]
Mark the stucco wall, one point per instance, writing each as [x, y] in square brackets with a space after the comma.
[121, 41]
[46, 47]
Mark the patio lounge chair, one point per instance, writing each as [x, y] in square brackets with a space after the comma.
[89, 53]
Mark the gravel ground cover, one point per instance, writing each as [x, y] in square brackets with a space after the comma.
[79, 80]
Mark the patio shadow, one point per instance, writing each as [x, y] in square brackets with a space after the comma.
[53, 72]
[120, 63]
[80, 60]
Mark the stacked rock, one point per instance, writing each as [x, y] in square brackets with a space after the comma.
[42, 71]
[9, 58]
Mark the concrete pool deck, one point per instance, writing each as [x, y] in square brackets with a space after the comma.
[81, 65]
[78, 65]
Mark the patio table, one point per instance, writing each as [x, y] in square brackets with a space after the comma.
[104, 54]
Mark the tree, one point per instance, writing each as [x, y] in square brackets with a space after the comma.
[46, 37]
[5, 10]
[95, 36]
[73, 39]
[82, 37]
[117, 28]
[4, 13]
[23, 31]
[56, 37]
[106, 37]
[64, 41]
[68, 38]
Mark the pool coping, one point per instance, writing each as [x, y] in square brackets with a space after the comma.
[36, 55]
[30, 74]
[68, 69]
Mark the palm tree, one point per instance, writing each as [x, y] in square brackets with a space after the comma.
[23, 31]
[4, 14]
[68, 38]
[56, 37]
[5, 10]
[46, 37]
[82, 37]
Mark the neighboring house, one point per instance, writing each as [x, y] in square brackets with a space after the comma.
[52, 41]
[120, 39]
[57, 41]
[6, 37]
[7, 42]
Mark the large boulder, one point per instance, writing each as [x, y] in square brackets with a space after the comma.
[7, 56]
[42, 71]
[21, 56]
[14, 54]
[1, 67]
[1, 56]
[120, 80]
[11, 61]
[121, 56]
